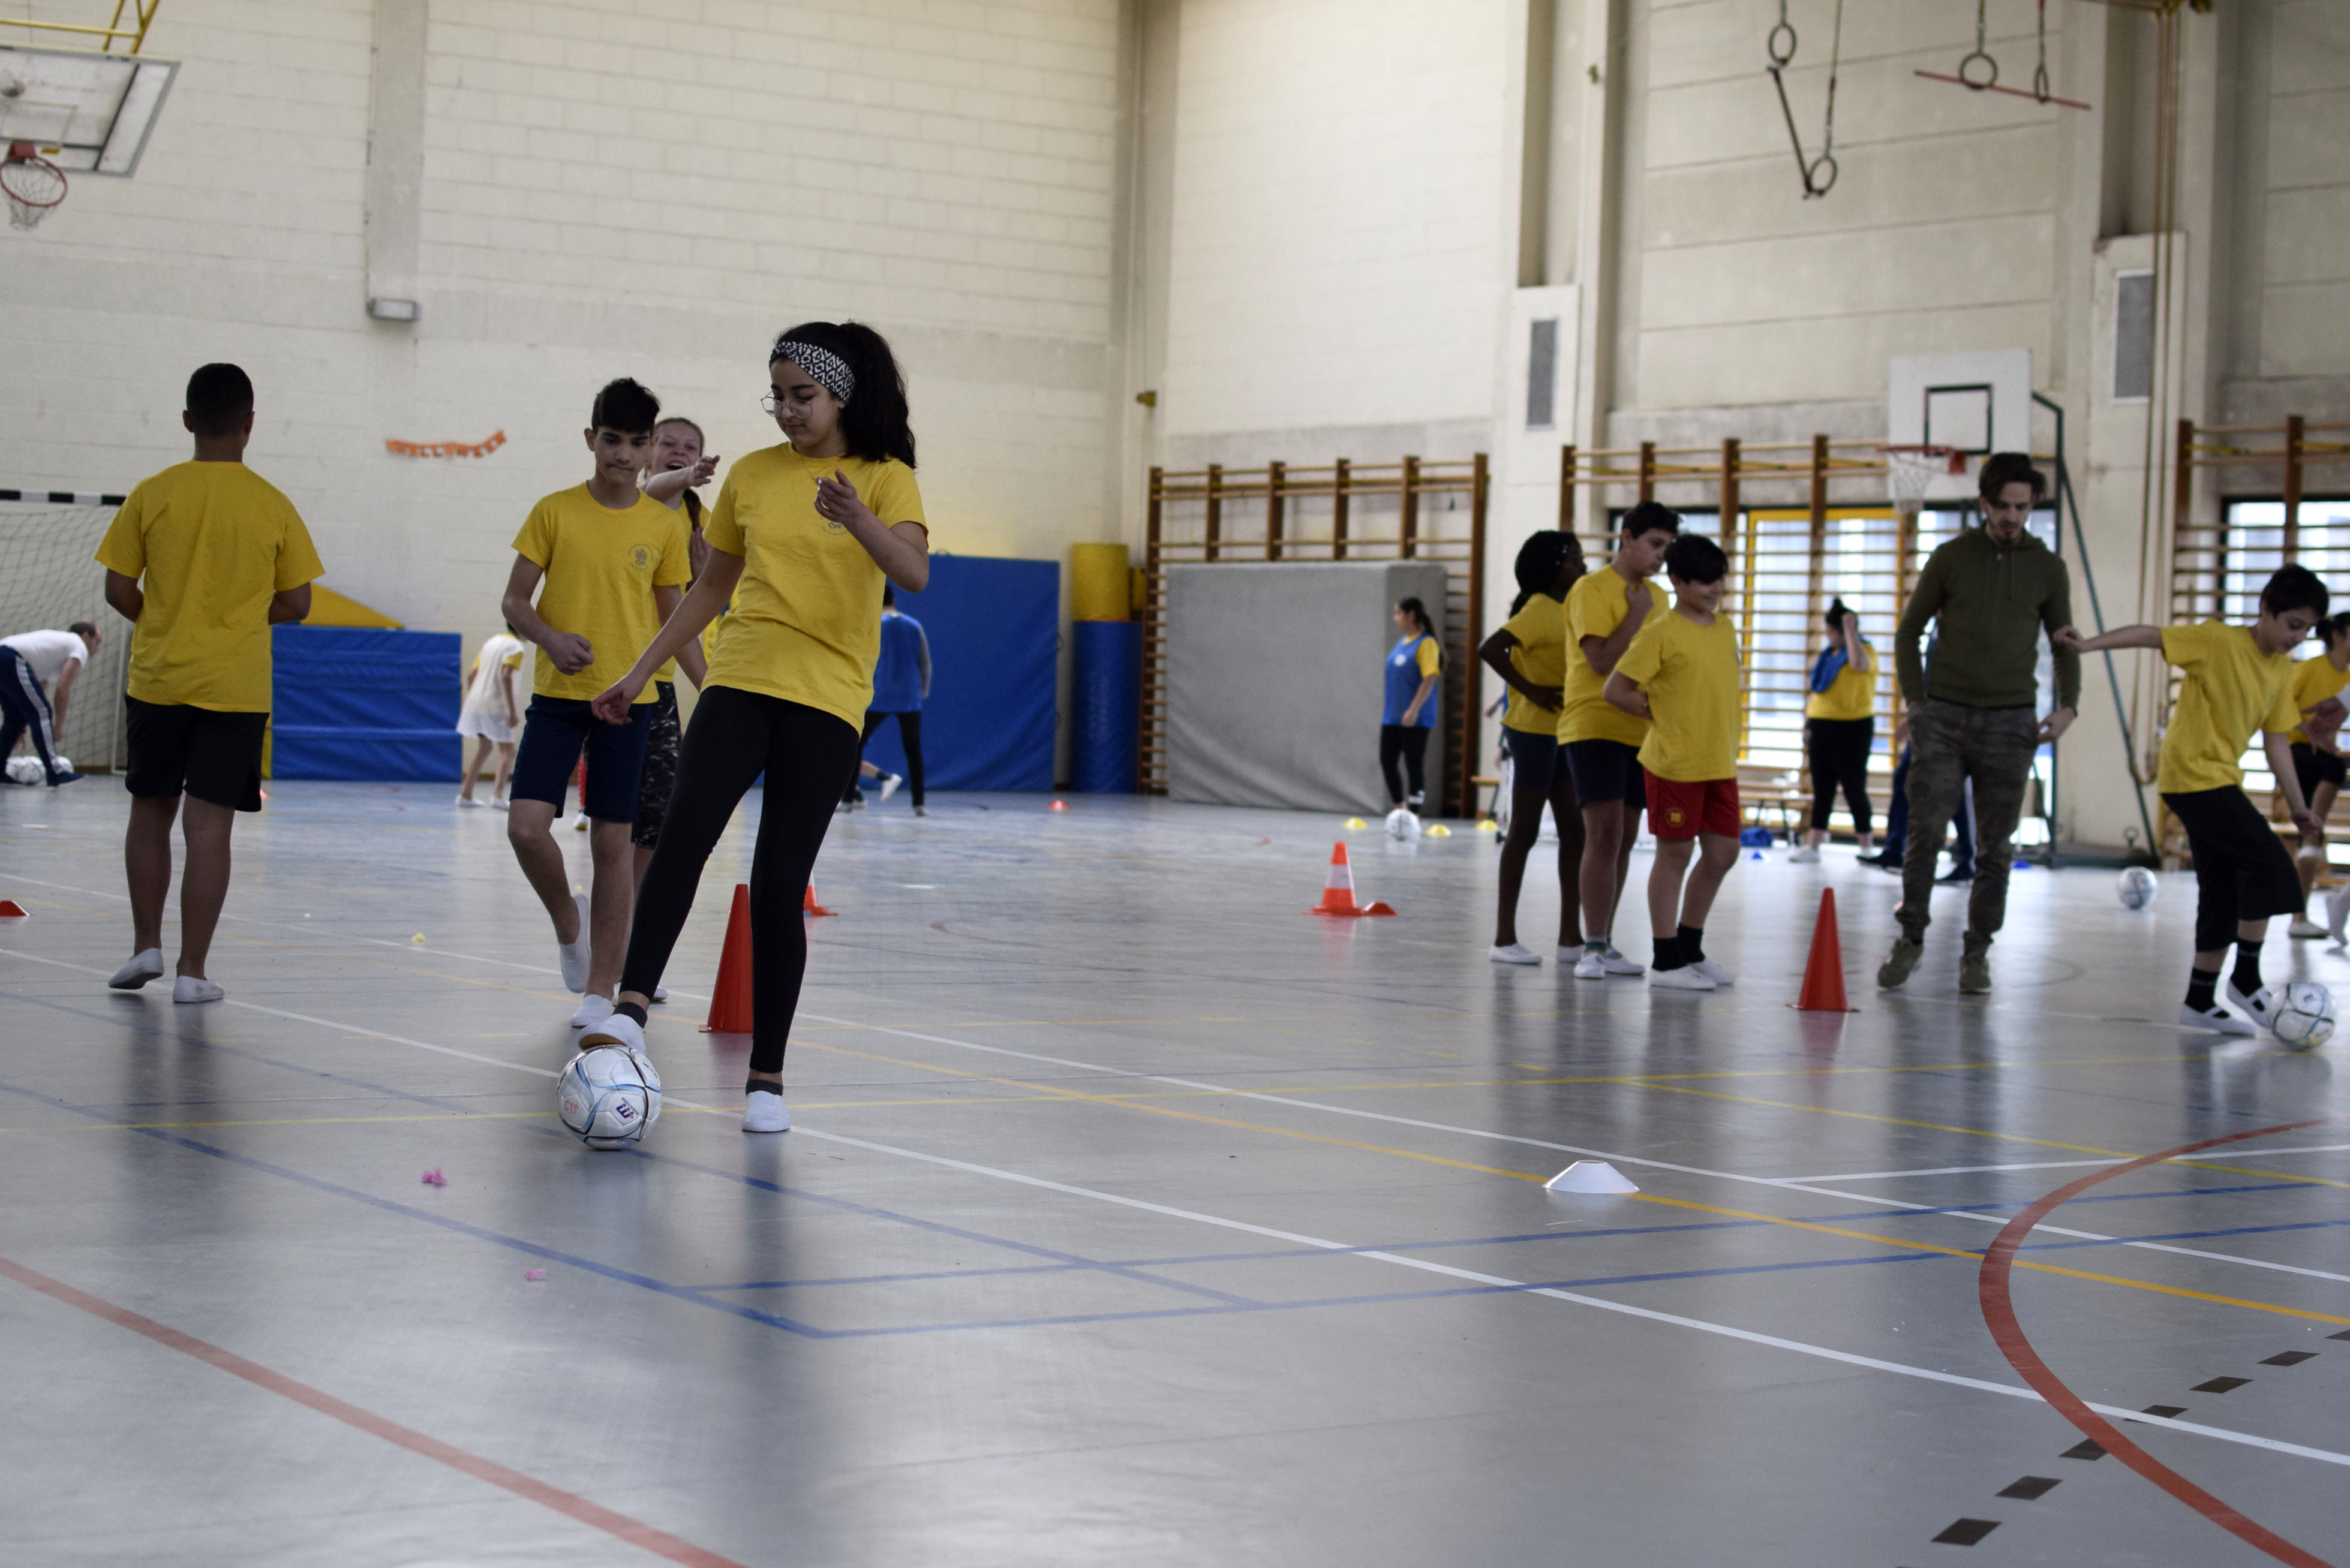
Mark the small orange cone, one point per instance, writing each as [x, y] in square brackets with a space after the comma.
[730, 998]
[808, 905]
[12, 910]
[1824, 975]
[1339, 891]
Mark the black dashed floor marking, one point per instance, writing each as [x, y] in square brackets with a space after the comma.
[2288, 1358]
[2084, 1449]
[2220, 1384]
[2029, 1487]
[2344, 1335]
[2166, 1410]
[1966, 1531]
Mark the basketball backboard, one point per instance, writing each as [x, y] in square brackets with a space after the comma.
[1977, 402]
[87, 113]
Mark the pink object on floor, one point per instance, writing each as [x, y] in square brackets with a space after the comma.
[534, 1274]
[433, 1178]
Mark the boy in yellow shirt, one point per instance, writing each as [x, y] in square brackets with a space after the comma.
[1681, 676]
[2239, 680]
[613, 562]
[203, 559]
[1603, 612]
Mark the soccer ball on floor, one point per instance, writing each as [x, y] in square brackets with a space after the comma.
[2301, 1014]
[1402, 824]
[2137, 887]
[609, 1096]
[26, 769]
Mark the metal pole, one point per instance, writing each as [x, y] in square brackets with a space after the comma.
[1472, 703]
[1339, 496]
[1407, 510]
[1275, 473]
[2295, 432]
[1215, 509]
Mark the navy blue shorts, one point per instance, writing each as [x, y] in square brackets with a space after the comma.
[1533, 759]
[1605, 770]
[553, 732]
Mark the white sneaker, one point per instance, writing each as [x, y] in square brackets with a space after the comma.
[194, 987]
[2219, 1020]
[1803, 855]
[921, 811]
[575, 953]
[143, 968]
[468, 800]
[1618, 965]
[2337, 912]
[765, 1112]
[2255, 1007]
[1516, 952]
[889, 783]
[500, 804]
[661, 993]
[1591, 966]
[2304, 927]
[593, 1011]
[1714, 972]
[1685, 978]
[613, 1029]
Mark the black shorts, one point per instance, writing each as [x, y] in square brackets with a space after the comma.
[2242, 870]
[1605, 771]
[1534, 761]
[2314, 767]
[213, 756]
[660, 767]
[555, 730]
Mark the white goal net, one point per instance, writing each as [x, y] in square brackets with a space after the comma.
[48, 578]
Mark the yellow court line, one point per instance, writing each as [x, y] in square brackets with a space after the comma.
[1129, 1104]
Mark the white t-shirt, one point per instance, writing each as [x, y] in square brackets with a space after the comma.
[485, 695]
[47, 652]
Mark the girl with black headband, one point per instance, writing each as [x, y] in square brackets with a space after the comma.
[1529, 653]
[801, 539]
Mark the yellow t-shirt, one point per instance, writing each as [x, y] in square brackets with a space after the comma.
[1691, 676]
[1540, 656]
[601, 567]
[2232, 690]
[1851, 695]
[2314, 680]
[806, 620]
[213, 542]
[1596, 607]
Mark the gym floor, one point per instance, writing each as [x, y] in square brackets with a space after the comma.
[1136, 1216]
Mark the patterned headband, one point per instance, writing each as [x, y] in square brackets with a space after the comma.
[824, 365]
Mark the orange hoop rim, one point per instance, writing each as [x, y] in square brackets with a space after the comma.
[25, 154]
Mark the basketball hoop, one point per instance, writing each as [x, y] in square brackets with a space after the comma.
[1911, 471]
[33, 184]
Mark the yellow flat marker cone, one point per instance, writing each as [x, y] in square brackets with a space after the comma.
[417, 938]
[1435, 830]
[1488, 824]
[1589, 1175]
[1356, 824]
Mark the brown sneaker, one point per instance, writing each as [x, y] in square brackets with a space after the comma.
[1894, 970]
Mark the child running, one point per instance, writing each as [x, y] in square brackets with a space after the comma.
[1603, 612]
[1681, 676]
[607, 562]
[807, 532]
[203, 559]
[1529, 653]
[2239, 680]
[2316, 757]
[491, 715]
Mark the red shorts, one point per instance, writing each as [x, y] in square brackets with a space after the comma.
[1679, 810]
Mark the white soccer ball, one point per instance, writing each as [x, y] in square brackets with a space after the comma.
[2301, 1014]
[2137, 887]
[609, 1096]
[26, 769]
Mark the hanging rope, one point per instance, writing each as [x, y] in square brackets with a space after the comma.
[1819, 174]
[2040, 71]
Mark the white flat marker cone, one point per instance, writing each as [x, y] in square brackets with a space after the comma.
[1589, 1175]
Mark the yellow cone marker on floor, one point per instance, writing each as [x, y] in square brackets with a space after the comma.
[1435, 830]
[1589, 1175]
[1356, 824]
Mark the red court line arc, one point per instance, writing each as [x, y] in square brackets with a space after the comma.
[1999, 1314]
[659, 1542]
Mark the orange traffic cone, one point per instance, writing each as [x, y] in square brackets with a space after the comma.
[730, 998]
[1339, 891]
[808, 905]
[12, 910]
[1824, 975]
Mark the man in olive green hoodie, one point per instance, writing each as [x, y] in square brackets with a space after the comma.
[1994, 590]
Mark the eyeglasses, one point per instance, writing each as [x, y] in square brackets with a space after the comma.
[769, 402]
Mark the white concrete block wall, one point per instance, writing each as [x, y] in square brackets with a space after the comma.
[610, 187]
[2306, 289]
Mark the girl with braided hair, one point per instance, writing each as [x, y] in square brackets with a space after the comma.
[1529, 653]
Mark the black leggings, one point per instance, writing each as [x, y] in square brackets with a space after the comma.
[909, 735]
[1409, 741]
[736, 735]
[1839, 750]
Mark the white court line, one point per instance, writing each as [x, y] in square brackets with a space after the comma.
[1778, 1183]
[1520, 1287]
[2043, 1165]
[1395, 1259]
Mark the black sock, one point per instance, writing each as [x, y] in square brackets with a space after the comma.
[2247, 978]
[631, 1011]
[752, 1086]
[2200, 988]
[1668, 953]
[1692, 942]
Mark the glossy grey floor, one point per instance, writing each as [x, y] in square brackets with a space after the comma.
[1135, 1216]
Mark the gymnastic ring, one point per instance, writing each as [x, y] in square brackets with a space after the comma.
[1987, 82]
[2040, 84]
[1771, 44]
[1812, 185]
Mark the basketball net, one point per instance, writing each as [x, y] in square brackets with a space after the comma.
[33, 185]
[1911, 471]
